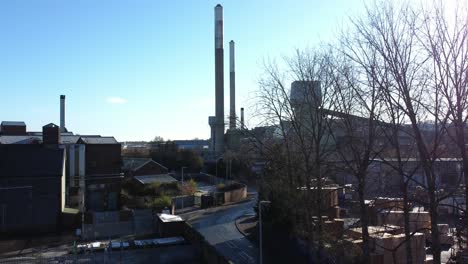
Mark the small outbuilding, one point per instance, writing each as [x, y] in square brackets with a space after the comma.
[169, 225]
[142, 166]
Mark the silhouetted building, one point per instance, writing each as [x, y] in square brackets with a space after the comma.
[32, 187]
[95, 164]
[12, 128]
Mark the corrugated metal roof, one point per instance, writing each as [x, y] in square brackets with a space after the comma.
[98, 140]
[13, 123]
[6, 139]
[64, 139]
[69, 139]
[162, 178]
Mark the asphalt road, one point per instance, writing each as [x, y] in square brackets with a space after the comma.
[218, 227]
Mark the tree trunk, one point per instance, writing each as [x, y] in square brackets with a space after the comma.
[409, 257]
[364, 222]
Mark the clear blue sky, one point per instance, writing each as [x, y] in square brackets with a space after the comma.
[137, 69]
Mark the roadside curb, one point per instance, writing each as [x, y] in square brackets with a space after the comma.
[237, 225]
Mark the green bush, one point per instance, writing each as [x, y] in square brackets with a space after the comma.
[171, 189]
[161, 202]
[153, 189]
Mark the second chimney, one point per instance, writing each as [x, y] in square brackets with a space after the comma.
[62, 113]
[232, 87]
[242, 118]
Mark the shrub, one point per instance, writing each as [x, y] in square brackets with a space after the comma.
[171, 189]
[220, 186]
[189, 188]
[153, 189]
[161, 202]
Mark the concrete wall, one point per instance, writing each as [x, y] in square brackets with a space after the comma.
[111, 224]
[34, 206]
[235, 195]
[186, 201]
[209, 254]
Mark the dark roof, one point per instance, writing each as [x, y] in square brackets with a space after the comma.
[50, 125]
[98, 140]
[30, 161]
[129, 163]
[69, 139]
[133, 164]
[13, 123]
[161, 178]
[12, 139]
[64, 139]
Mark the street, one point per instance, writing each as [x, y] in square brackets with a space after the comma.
[218, 227]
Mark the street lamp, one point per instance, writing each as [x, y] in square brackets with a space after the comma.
[260, 221]
[183, 185]
[217, 160]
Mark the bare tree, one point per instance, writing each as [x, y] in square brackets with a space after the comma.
[359, 85]
[445, 39]
[391, 32]
[300, 143]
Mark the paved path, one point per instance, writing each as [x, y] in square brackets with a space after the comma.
[218, 227]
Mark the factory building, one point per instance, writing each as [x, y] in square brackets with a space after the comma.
[32, 184]
[92, 164]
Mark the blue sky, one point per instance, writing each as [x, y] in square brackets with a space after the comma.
[137, 69]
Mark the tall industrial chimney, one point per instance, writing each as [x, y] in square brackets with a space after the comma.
[242, 117]
[219, 79]
[62, 113]
[232, 86]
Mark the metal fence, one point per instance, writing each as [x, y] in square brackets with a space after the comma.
[183, 201]
[98, 257]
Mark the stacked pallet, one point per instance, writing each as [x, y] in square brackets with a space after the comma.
[389, 242]
[394, 250]
[418, 221]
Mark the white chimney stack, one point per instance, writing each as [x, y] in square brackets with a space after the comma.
[219, 80]
[232, 82]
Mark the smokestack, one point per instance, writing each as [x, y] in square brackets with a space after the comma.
[219, 79]
[62, 113]
[232, 85]
[242, 117]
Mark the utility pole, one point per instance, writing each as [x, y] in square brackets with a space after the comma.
[261, 231]
[183, 186]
